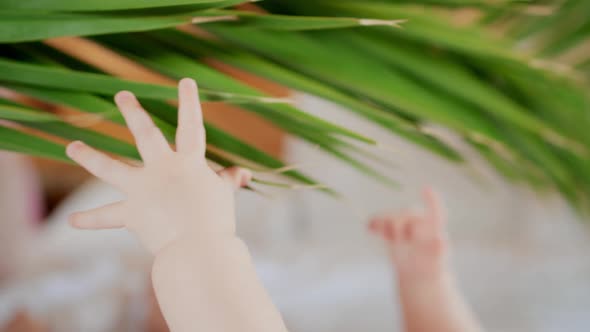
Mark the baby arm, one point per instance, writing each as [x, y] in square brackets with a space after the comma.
[183, 212]
[429, 297]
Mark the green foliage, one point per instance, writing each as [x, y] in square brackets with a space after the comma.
[512, 82]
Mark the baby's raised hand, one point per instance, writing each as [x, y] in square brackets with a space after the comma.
[416, 241]
[175, 194]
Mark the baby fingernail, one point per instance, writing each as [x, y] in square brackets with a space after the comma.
[188, 82]
[124, 97]
[73, 148]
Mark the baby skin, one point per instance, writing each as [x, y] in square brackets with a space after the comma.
[203, 275]
[183, 212]
[417, 246]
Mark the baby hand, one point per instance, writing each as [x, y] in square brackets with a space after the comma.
[175, 194]
[416, 242]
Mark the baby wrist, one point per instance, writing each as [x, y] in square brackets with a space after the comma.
[200, 243]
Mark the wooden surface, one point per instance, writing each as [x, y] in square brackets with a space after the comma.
[59, 178]
[242, 124]
[22, 322]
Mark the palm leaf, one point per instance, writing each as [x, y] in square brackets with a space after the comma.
[18, 141]
[94, 5]
[519, 97]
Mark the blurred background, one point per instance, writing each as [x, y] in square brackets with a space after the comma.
[488, 104]
[521, 258]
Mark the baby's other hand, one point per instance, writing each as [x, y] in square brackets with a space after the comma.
[175, 194]
[416, 241]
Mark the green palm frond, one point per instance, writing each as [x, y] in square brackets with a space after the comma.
[512, 81]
